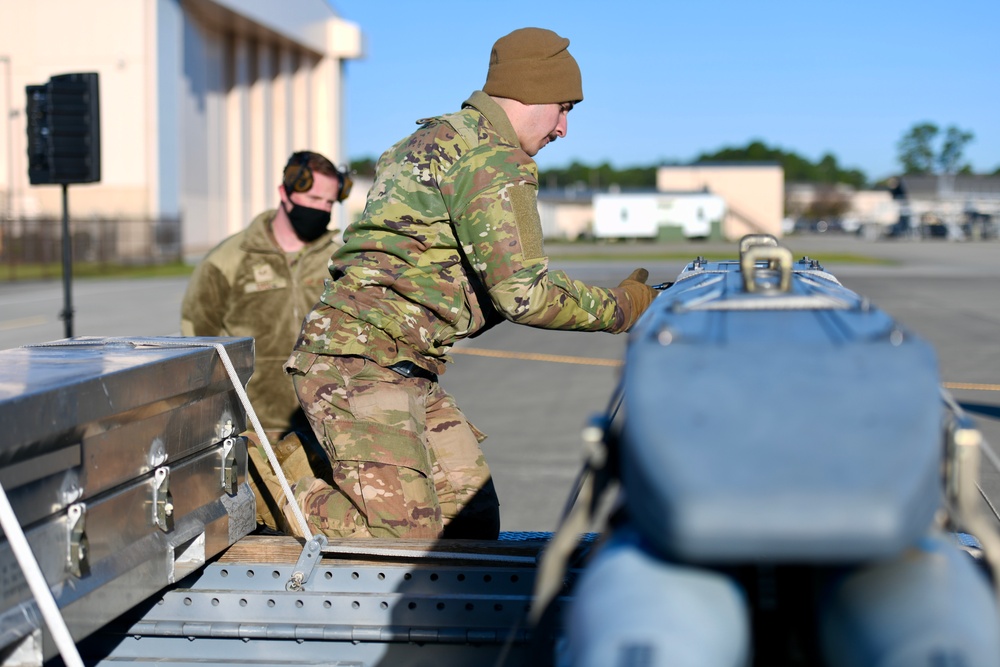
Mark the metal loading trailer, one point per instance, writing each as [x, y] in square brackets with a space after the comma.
[371, 602]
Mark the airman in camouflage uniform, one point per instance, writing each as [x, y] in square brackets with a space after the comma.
[261, 282]
[450, 243]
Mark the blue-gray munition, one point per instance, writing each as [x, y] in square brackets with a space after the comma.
[797, 487]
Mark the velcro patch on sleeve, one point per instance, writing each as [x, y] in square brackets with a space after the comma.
[529, 225]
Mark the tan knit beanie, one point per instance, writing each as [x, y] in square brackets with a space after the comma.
[532, 66]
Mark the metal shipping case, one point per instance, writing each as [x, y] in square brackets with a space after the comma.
[122, 462]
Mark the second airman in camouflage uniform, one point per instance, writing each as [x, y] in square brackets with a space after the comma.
[450, 243]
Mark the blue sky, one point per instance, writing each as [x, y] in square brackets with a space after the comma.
[665, 80]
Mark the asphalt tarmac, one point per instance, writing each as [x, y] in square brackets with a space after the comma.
[533, 391]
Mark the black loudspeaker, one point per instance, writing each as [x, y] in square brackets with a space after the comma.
[64, 130]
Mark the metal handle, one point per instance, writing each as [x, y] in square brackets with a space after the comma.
[78, 554]
[778, 259]
[751, 240]
[230, 465]
[163, 501]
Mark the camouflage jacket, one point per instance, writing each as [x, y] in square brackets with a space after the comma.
[248, 286]
[450, 242]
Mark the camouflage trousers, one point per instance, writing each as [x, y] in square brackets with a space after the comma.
[405, 461]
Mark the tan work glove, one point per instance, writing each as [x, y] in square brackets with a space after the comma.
[639, 294]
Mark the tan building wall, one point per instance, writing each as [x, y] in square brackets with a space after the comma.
[754, 194]
[202, 101]
[42, 39]
[874, 207]
[566, 220]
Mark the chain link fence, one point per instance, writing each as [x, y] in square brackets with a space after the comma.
[32, 248]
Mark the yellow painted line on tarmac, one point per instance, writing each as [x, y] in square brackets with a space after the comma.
[615, 363]
[972, 386]
[531, 356]
[22, 323]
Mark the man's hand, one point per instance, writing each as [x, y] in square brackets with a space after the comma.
[639, 294]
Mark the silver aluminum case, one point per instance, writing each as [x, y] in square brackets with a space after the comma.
[120, 461]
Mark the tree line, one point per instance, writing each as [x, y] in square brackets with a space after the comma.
[924, 149]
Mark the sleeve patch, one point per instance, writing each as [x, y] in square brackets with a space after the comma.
[529, 225]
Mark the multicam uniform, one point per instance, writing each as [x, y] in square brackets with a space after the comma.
[449, 244]
[249, 286]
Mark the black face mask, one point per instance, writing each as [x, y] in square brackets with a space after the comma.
[309, 223]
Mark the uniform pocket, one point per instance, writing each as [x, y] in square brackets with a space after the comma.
[383, 396]
[386, 472]
[373, 442]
